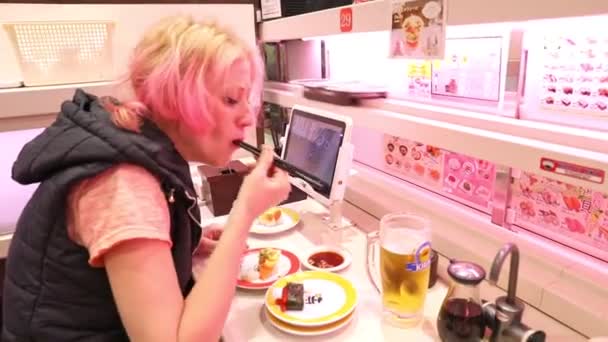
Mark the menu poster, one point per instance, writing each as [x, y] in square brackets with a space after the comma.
[575, 74]
[567, 209]
[471, 69]
[597, 220]
[419, 79]
[416, 161]
[468, 178]
[418, 29]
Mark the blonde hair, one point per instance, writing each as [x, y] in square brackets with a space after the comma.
[172, 67]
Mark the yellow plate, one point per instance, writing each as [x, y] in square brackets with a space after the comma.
[289, 219]
[328, 297]
[308, 331]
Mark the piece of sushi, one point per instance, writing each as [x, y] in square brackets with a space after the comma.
[267, 262]
[292, 297]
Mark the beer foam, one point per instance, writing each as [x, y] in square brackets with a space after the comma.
[402, 241]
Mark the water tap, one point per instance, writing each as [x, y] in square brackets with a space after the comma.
[504, 317]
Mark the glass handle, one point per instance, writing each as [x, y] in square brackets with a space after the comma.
[372, 264]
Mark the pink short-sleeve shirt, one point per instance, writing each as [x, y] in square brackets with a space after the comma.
[122, 203]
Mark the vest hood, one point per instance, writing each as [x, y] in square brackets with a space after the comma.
[83, 133]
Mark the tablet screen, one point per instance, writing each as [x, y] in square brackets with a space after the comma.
[313, 143]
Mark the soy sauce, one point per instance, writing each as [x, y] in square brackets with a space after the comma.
[460, 320]
[326, 259]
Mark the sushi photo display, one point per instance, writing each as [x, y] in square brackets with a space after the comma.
[575, 73]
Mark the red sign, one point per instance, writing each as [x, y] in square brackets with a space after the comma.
[346, 19]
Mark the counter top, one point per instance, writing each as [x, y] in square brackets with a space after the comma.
[246, 321]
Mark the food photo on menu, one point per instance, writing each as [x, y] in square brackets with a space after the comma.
[418, 29]
[469, 179]
[471, 69]
[573, 211]
[414, 161]
[575, 73]
[466, 179]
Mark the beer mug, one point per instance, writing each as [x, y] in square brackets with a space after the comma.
[405, 260]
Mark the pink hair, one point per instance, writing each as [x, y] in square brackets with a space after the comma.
[173, 69]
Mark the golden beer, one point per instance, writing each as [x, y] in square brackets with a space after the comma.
[403, 291]
[405, 260]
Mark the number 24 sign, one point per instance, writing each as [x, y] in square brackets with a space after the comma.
[346, 19]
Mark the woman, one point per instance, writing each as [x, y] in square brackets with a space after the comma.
[103, 250]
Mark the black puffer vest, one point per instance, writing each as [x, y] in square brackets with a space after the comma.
[51, 294]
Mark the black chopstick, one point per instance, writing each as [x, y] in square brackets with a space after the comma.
[283, 165]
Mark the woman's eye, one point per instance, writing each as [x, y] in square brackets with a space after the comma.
[230, 101]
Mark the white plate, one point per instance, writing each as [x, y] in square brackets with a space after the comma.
[289, 219]
[346, 258]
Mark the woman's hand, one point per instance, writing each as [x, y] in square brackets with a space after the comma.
[264, 187]
[210, 238]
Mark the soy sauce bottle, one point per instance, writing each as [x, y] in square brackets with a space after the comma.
[461, 317]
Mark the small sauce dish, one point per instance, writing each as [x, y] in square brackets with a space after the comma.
[326, 258]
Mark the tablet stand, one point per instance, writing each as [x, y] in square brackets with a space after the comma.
[335, 219]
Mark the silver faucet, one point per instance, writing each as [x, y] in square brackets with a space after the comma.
[504, 316]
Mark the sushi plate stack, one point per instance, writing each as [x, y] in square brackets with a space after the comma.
[310, 303]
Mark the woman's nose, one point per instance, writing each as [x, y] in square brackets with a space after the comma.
[247, 118]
